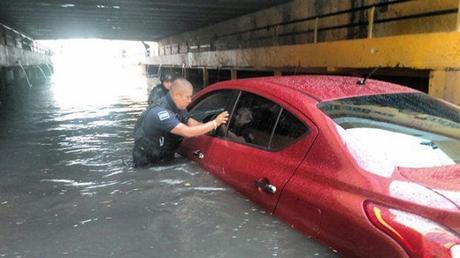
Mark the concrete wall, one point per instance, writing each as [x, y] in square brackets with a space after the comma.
[11, 56]
[415, 42]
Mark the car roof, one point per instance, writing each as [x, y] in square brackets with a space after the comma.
[325, 87]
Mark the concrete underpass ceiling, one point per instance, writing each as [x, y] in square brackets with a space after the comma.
[120, 19]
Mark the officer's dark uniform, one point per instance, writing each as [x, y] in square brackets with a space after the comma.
[153, 141]
[156, 94]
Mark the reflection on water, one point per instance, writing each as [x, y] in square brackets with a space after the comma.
[80, 122]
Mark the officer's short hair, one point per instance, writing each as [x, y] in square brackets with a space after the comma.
[180, 84]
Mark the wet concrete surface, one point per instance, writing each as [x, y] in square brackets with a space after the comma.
[68, 189]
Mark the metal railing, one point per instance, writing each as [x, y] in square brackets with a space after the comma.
[273, 35]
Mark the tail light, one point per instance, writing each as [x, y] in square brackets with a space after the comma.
[420, 237]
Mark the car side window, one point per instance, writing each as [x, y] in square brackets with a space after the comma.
[252, 121]
[287, 131]
[209, 106]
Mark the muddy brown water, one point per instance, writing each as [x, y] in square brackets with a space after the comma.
[68, 188]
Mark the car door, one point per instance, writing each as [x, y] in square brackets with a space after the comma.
[203, 110]
[260, 166]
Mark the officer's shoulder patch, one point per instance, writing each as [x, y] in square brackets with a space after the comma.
[163, 115]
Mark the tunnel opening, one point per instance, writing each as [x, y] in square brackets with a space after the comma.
[83, 72]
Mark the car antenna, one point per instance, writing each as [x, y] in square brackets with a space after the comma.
[362, 81]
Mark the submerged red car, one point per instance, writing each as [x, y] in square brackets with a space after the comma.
[371, 169]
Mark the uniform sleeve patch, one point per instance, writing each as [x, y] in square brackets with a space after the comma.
[163, 115]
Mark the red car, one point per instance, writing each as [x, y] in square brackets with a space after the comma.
[371, 169]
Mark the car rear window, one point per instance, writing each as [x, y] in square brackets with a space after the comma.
[409, 129]
[288, 130]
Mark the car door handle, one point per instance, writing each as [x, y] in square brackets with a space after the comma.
[264, 185]
[198, 154]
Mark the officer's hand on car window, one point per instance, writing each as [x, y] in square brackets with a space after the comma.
[221, 118]
[196, 129]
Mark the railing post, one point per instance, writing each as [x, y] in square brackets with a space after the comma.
[205, 77]
[233, 74]
[315, 32]
[370, 27]
[184, 71]
[458, 16]
[4, 36]
[275, 36]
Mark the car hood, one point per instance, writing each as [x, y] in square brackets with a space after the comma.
[444, 180]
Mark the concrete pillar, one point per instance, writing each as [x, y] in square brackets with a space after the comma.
[21, 78]
[2, 84]
[31, 74]
[3, 36]
[48, 69]
[184, 72]
[40, 74]
[9, 75]
[445, 85]
[16, 74]
[28, 75]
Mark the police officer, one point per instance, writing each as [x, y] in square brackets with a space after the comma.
[159, 130]
[161, 89]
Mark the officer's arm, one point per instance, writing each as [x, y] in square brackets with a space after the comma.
[200, 129]
[192, 131]
[193, 122]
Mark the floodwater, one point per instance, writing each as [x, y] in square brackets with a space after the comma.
[68, 188]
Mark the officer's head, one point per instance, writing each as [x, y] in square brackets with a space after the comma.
[167, 79]
[181, 92]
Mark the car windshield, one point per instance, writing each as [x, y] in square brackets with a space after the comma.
[408, 130]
